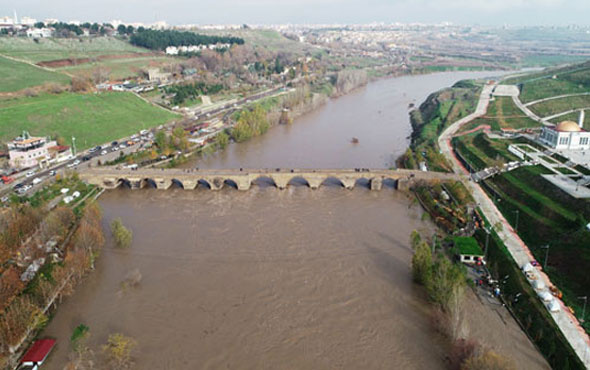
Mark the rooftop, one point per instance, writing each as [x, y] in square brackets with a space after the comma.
[38, 351]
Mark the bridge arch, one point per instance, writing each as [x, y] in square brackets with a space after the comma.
[264, 181]
[124, 183]
[204, 184]
[363, 182]
[298, 181]
[177, 183]
[230, 183]
[149, 183]
[390, 182]
[333, 181]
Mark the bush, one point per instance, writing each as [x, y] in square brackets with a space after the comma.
[122, 235]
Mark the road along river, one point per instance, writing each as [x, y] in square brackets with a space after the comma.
[271, 279]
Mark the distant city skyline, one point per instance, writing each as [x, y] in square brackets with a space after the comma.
[174, 12]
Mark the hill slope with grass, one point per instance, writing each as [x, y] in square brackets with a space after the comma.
[15, 76]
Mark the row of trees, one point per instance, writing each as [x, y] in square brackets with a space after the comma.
[191, 91]
[445, 283]
[160, 40]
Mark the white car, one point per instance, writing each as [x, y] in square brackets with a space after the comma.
[52, 173]
[76, 162]
[36, 181]
[30, 173]
[103, 152]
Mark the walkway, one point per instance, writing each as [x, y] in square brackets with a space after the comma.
[554, 97]
[566, 321]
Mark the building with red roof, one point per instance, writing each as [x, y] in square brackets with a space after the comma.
[38, 352]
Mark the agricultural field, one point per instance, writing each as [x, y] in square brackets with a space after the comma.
[92, 118]
[554, 106]
[54, 48]
[118, 69]
[16, 76]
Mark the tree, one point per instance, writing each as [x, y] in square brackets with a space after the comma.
[81, 84]
[39, 25]
[121, 29]
[119, 349]
[221, 140]
[489, 360]
[79, 337]
[122, 235]
[422, 264]
[447, 284]
[161, 140]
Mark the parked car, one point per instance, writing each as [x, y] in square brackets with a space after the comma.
[103, 152]
[36, 180]
[76, 162]
[52, 173]
[92, 150]
[114, 143]
[30, 173]
[4, 199]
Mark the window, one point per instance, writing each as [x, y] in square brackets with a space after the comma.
[563, 140]
[583, 141]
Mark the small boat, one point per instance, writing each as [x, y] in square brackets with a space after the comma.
[411, 105]
[354, 140]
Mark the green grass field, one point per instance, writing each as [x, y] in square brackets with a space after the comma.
[502, 113]
[555, 106]
[53, 48]
[92, 118]
[16, 76]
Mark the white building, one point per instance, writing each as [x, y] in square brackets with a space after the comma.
[28, 21]
[567, 135]
[28, 151]
[38, 33]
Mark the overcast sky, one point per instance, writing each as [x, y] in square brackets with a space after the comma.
[488, 12]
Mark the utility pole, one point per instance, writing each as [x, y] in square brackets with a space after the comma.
[546, 256]
[74, 145]
[516, 223]
[585, 298]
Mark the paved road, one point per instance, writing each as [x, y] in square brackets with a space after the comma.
[549, 118]
[568, 324]
[527, 111]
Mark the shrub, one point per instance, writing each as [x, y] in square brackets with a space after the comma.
[122, 235]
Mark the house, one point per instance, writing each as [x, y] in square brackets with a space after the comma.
[28, 151]
[37, 354]
[154, 74]
[467, 250]
[60, 153]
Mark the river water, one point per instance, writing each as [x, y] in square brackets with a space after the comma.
[270, 279]
[377, 115]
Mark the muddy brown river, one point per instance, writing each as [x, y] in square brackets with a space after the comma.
[270, 279]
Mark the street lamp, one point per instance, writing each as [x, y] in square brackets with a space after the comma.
[546, 256]
[585, 298]
[485, 251]
[516, 223]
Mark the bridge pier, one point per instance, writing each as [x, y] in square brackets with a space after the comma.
[243, 182]
[135, 183]
[348, 183]
[376, 183]
[216, 183]
[163, 184]
[189, 184]
[281, 181]
[403, 184]
[314, 182]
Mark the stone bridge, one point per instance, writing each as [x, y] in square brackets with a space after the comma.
[242, 179]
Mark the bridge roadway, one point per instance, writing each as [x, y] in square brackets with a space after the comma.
[110, 178]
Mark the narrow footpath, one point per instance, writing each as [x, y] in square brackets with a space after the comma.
[566, 321]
